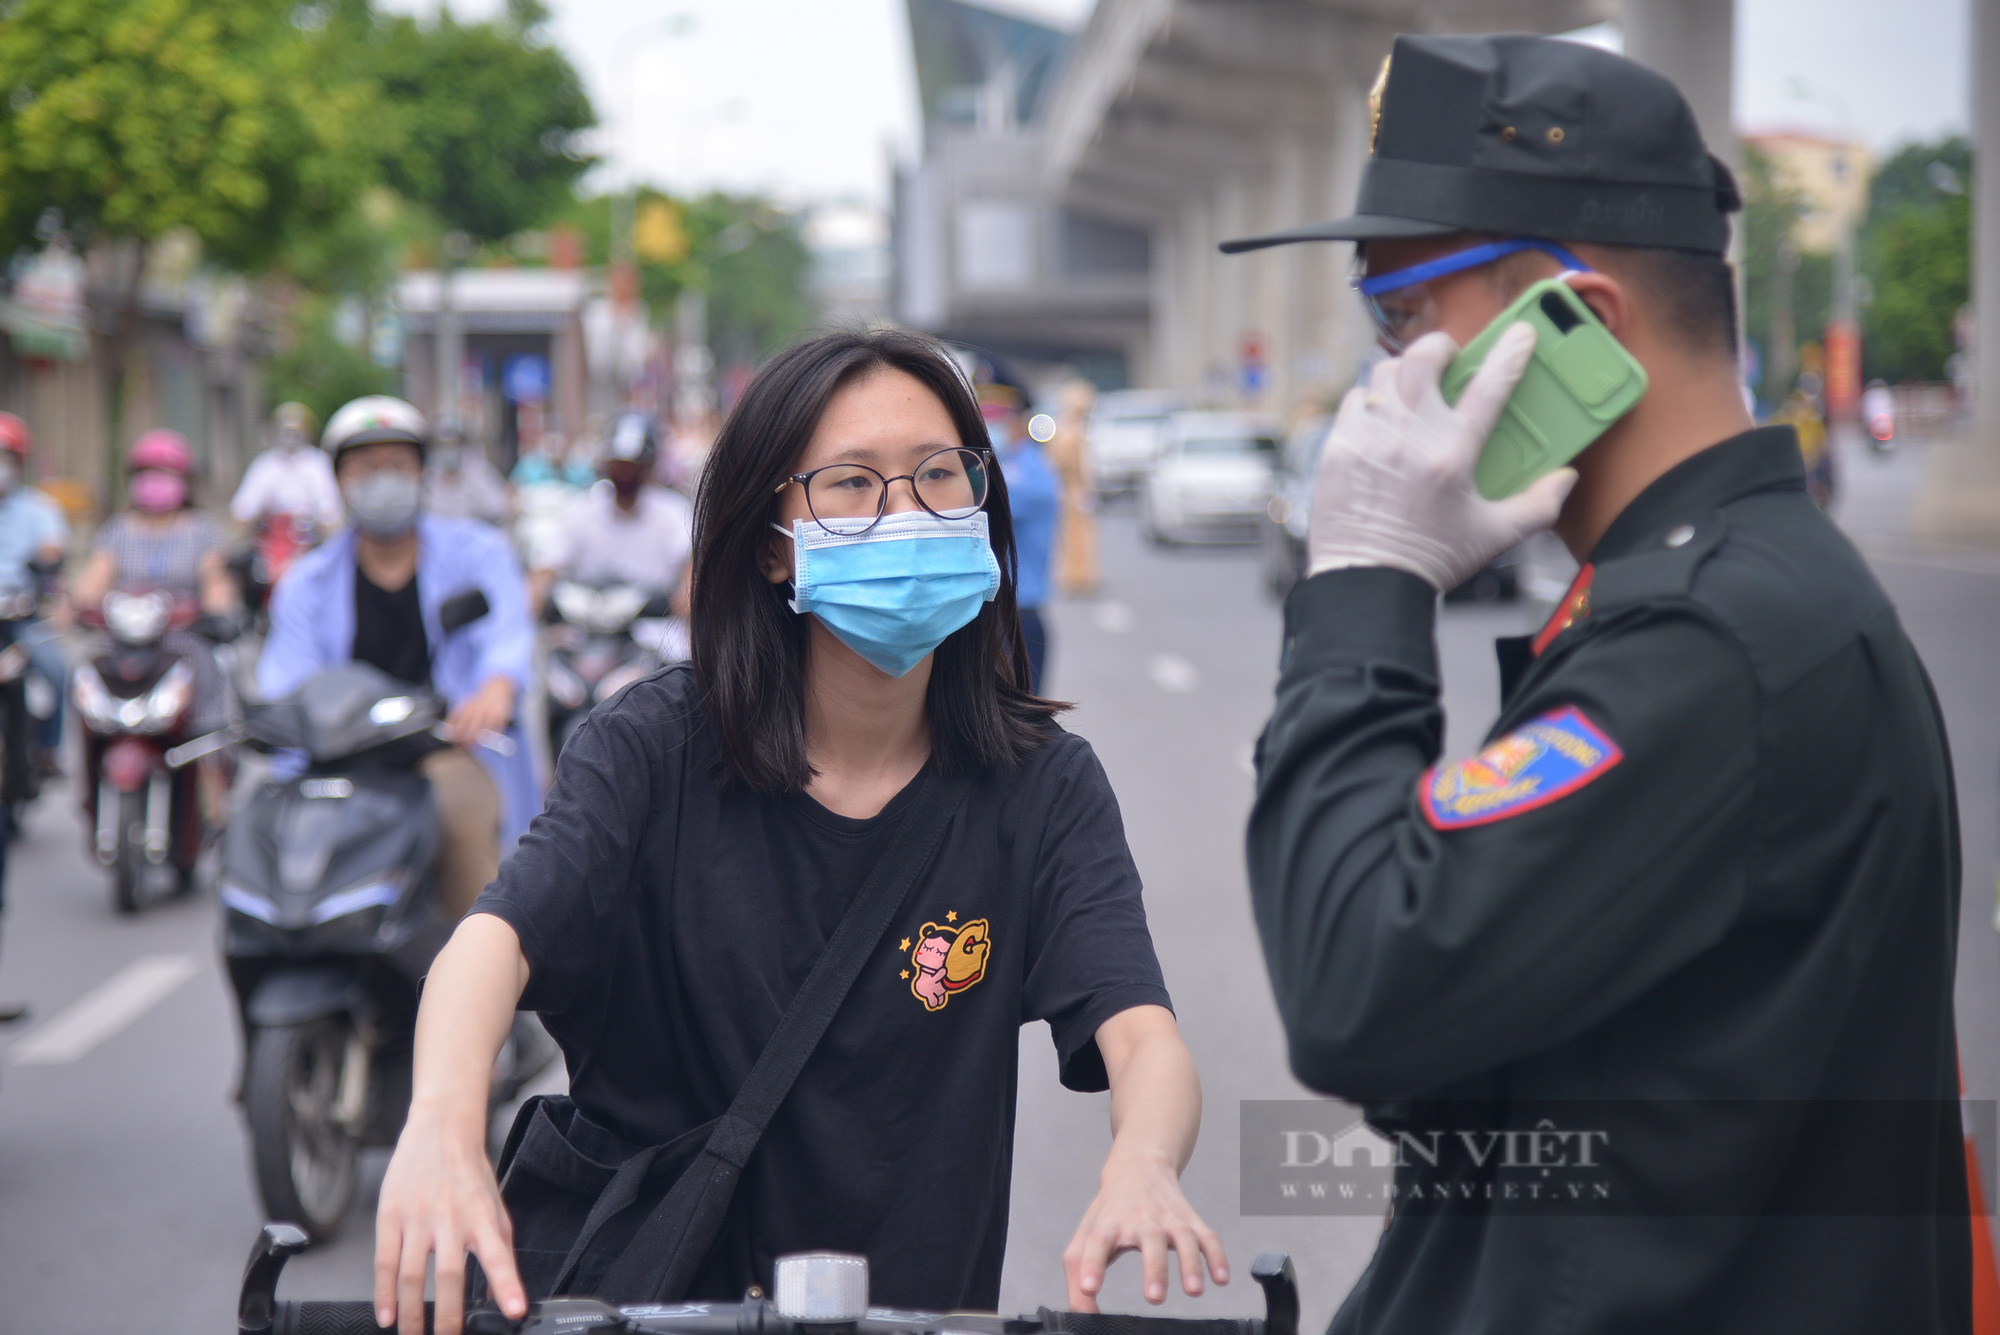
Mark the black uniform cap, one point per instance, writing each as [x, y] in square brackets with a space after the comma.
[1531, 136]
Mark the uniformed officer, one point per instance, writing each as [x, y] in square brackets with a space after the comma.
[1699, 892]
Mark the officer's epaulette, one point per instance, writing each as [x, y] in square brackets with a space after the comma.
[1658, 569]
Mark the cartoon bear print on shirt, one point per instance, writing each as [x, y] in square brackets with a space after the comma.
[948, 958]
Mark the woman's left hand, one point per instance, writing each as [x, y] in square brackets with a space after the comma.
[1140, 1207]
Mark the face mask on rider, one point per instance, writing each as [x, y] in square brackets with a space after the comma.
[157, 491]
[626, 479]
[384, 504]
[894, 593]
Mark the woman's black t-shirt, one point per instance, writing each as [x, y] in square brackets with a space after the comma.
[667, 924]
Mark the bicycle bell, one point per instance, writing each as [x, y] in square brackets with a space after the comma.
[820, 1288]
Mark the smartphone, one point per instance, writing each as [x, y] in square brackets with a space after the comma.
[1579, 381]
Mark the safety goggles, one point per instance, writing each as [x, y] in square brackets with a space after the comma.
[1401, 303]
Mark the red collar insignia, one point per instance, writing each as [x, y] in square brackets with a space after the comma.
[1575, 606]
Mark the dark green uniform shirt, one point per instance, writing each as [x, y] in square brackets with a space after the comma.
[1706, 870]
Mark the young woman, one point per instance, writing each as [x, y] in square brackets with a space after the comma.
[853, 628]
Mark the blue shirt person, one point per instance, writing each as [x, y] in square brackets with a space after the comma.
[1034, 497]
[30, 526]
[313, 625]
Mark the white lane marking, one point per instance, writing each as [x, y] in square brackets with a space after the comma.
[1171, 672]
[102, 1011]
[1114, 618]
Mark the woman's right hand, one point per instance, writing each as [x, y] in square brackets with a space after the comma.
[439, 1198]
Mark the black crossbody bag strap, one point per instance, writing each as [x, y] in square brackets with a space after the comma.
[669, 1249]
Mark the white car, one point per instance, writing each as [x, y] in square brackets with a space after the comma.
[1125, 432]
[1211, 480]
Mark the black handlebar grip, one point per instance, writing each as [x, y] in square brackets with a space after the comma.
[328, 1318]
[1118, 1323]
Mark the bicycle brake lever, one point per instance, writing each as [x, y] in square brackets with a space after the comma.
[1274, 1274]
[550, 1316]
[256, 1301]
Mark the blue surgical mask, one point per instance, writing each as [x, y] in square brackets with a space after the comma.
[894, 593]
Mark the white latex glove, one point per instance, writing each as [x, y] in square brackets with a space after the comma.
[1395, 478]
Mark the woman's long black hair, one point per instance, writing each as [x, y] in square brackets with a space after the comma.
[750, 647]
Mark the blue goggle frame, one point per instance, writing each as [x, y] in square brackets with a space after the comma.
[1459, 261]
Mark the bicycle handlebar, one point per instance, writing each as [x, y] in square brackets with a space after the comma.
[259, 1313]
[331, 1318]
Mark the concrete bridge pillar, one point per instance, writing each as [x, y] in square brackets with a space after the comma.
[1692, 42]
[1282, 316]
[1231, 311]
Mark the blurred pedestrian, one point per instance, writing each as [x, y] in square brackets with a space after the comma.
[1693, 910]
[579, 467]
[459, 482]
[1032, 491]
[1068, 450]
[1801, 411]
[541, 463]
[289, 480]
[630, 530]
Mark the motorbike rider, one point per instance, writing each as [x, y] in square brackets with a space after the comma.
[164, 542]
[32, 532]
[290, 478]
[372, 593]
[458, 481]
[627, 529]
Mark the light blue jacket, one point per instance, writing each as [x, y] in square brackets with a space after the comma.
[312, 627]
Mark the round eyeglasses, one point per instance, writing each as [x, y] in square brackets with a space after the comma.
[850, 499]
[1400, 303]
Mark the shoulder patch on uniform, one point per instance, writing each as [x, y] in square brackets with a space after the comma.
[1530, 767]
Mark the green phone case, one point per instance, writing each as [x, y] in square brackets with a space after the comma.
[1577, 384]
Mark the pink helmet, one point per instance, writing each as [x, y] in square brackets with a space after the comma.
[162, 449]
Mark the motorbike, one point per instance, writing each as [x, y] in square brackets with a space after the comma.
[278, 541]
[135, 702]
[330, 920]
[813, 1293]
[597, 648]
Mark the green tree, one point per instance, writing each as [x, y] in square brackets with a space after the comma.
[133, 118]
[745, 252]
[318, 369]
[479, 121]
[1916, 252]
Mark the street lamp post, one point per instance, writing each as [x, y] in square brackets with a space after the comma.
[450, 338]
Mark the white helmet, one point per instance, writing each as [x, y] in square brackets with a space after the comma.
[375, 420]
